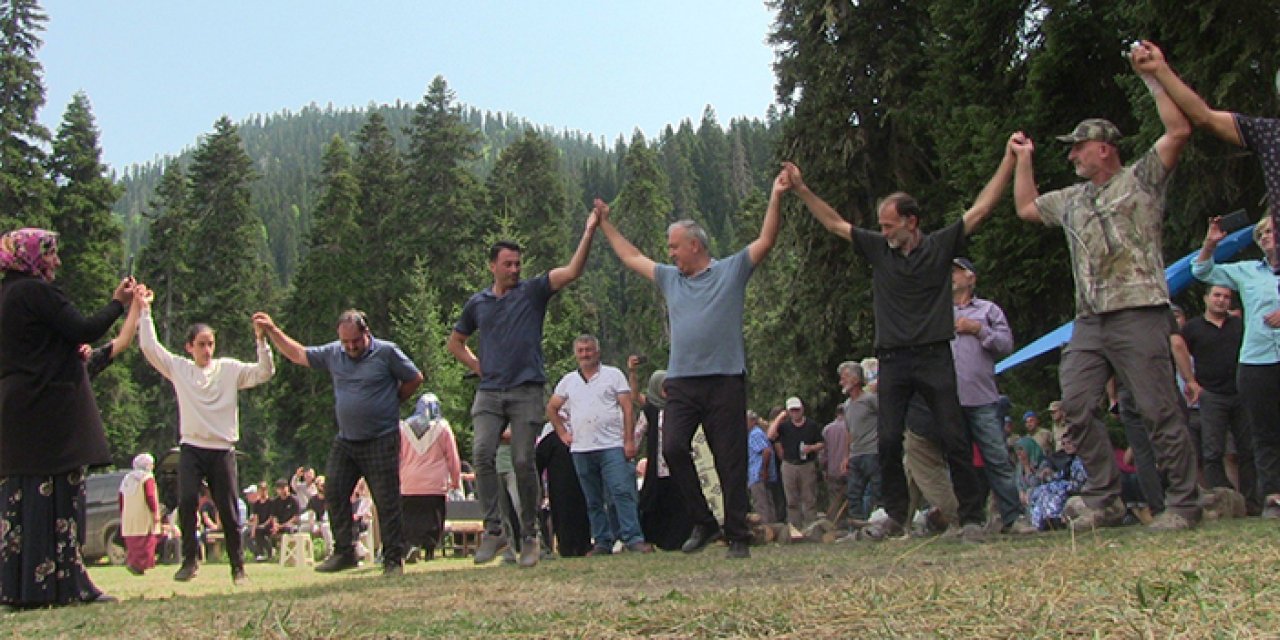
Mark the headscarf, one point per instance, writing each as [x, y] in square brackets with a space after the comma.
[426, 424]
[29, 251]
[1035, 455]
[655, 396]
[143, 463]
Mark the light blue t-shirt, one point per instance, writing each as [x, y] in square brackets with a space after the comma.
[366, 390]
[705, 312]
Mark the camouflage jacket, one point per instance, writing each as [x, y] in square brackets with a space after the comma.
[1114, 233]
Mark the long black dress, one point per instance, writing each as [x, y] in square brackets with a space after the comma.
[663, 517]
[569, 520]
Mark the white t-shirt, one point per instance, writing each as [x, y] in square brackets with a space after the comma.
[595, 408]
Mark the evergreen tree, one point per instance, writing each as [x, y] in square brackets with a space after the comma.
[443, 195]
[90, 237]
[330, 280]
[526, 187]
[25, 191]
[379, 172]
[715, 193]
[677, 152]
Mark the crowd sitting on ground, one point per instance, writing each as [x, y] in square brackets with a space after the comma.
[922, 443]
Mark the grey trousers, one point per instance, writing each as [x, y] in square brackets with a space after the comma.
[524, 409]
[1134, 343]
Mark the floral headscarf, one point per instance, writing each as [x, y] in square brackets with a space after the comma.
[29, 251]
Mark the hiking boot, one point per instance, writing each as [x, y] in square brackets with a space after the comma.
[392, 570]
[530, 551]
[639, 546]
[337, 562]
[490, 546]
[238, 578]
[187, 572]
[738, 549]
[973, 533]
[1169, 521]
[701, 537]
[1020, 527]
[1082, 517]
[879, 531]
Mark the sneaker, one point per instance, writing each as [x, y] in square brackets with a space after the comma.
[879, 531]
[261, 558]
[737, 549]
[1020, 527]
[392, 570]
[973, 533]
[490, 546]
[337, 562]
[187, 572]
[1082, 517]
[238, 578]
[639, 546]
[1272, 509]
[530, 551]
[1169, 521]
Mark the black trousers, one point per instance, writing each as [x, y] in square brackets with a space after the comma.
[378, 462]
[930, 371]
[719, 405]
[217, 467]
[1259, 385]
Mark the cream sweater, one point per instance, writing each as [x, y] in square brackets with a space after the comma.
[208, 412]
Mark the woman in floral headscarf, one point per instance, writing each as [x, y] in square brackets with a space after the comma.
[140, 515]
[50, 429]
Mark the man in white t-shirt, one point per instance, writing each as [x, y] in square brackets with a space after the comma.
[597, 399]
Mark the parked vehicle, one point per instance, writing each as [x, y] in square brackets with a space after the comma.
[102, 518]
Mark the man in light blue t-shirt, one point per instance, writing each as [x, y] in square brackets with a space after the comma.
[706, 375]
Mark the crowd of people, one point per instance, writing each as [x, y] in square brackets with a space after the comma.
[921, 441]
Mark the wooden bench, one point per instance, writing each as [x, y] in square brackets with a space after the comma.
[214, 543]
[461, 537]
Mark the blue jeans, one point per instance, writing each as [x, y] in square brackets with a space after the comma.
[984, 427]
[607, 477]
[863, 490]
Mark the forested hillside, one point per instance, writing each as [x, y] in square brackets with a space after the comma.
[390, 208]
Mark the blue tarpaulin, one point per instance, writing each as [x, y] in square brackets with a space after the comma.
[1177, 274]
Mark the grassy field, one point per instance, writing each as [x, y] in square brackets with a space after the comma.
[1221, 581]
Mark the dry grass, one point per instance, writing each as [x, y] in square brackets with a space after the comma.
[1218, 581]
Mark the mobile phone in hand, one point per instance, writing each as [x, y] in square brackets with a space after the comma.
[1233, 221]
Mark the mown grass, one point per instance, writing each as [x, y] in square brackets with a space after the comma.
[1220, 581]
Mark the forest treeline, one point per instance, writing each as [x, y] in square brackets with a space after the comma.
[390, 208]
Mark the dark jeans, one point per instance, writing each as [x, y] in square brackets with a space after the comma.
[717, 403]
[863, 490]
[1134, 345]
[1259, 385]
[218, 468]
[930, 371]
[1221, 414]
[1148, 477]
[378, 461]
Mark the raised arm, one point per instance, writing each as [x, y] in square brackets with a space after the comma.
[1177, 129]
[130, 326]
[155, 353]
[760, 247]
[990, 195]
[1024, 178]
[291, 349]
[822, 211]
[1221, 123]
[561, 276]
[627, 252]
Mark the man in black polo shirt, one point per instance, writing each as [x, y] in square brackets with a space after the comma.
[1214, 342]
[915, 322]
[797, 440]
[509, 316]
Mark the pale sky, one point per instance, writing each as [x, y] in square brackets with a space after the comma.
[159, 73]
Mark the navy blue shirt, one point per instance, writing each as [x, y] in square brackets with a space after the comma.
[510, 333]
[366, 390]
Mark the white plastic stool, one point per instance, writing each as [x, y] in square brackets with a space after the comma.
[296, 550]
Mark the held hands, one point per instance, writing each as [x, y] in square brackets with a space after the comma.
[262, 323]
[143, 296]
[1020, 144]
[599, 214]
[794, 179]
[1146, 58]
[124, 291]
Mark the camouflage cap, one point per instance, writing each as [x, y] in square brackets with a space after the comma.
[1093, 129]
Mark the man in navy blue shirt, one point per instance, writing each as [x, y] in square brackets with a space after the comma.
[509, 317]
[371, 377]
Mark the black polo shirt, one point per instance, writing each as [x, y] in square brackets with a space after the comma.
[911, 294]
[1216, 351]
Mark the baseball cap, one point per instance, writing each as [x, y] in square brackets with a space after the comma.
[966, 264]
[794, 403]
[253, 488]
[1029, 414]
[1093, 129]
[1053, 406]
